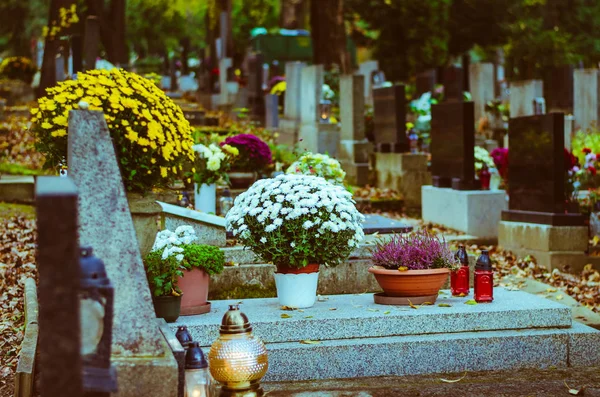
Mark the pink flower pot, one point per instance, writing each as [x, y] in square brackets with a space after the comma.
[194, 285]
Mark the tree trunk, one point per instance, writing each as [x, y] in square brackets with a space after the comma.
[120, 54]
[51, 46]
[185, 54]
[329, 35]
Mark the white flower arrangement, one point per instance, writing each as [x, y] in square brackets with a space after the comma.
[482, 157]
[172, 242]
[212, 162]
[296, 220]
[317, 164]
[327, 92]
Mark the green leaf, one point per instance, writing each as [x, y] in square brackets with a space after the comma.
[470, 302]
[285, 315]
[444, 305]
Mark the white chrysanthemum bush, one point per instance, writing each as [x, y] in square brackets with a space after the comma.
[296, 220]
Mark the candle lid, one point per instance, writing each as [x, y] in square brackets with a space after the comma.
[235, 322]
[462, 256]
[183, 336]
[484, 262]
[194, 358]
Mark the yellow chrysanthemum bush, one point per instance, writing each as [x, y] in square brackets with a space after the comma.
[17, 68]
[151, 136]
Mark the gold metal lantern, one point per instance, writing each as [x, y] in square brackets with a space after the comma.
[237, 359]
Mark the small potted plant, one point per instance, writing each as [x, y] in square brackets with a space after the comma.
[200, 262]
[211, 164]
[163, 269]
[297, 222]
[254, 156]
[413, 266]
[318, 165]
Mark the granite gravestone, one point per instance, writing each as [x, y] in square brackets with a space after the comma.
[537, 172]
[586, 102]
[144, 363]
[425, 82]
[58, 263]
[256, 98]
[271, 111]
[453, 136]
[390, 119]
[558, 89]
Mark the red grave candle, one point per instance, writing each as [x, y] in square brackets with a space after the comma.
[484, 279]
[459, 279]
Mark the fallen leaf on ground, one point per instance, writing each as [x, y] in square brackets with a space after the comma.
[559, 297]
[308, 316]
[372, 310]
[471, 302]
[453, 380]
[322, 298]
[310, 342]
[333, 308]
[575, 392]
[285, 315]
[444, 305]
[387, 312]
[411, 305]
[426, 304]
[288, 308]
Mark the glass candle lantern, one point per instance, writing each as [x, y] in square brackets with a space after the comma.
[324, 111]
[197, 379]
[484, 279]
[459, 279]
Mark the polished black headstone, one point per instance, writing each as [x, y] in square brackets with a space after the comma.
[558, 88]
[390, 119]
[453, 145]
[384, 225]
[256, 99]
[59, 349]
[195, 117]
[453, 83]
[425, 82]
[536, 169]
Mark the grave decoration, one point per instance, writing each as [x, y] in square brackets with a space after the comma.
[484, 279]
[459, 279]
[298, 223]
[238, 360]
[254, 156]
[17, 68]
[412, 268]
[211, 165]
[183, 336]
[151, 136]
[96, 299]
[179, 269]
[318, 165]
[198, 382]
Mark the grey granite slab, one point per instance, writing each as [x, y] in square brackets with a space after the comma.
[584, 346]
[357, 316]
[417, 354]
[384, 225]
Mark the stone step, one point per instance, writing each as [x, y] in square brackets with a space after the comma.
[17, 189]
[435, 353]
[342, 317]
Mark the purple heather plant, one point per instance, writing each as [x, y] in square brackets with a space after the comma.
[415, 251]
[254, 153]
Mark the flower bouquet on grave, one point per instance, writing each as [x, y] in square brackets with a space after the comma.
[411, 268]
[297, 223]
[18, 68]
[318, 165]
[254, 156]
[211, 165]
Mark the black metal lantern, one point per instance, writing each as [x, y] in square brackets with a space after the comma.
[96, 299]
[324, 111]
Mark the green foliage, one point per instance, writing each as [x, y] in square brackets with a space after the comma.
[207, 257]
[412, 33]
[19, 22]
[162, 274]
[585, 139]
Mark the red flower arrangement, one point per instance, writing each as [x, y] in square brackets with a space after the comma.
[500, 157]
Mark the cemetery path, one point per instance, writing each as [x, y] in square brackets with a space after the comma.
[546, 383]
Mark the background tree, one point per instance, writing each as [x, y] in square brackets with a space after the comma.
[328, 34]
[20, 22]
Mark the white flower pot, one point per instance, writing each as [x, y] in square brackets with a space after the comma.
[297, 290]
[205, 200]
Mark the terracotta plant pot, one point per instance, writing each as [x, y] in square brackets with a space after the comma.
[167, 307]
[145, 213]
[410, 283]
[194, 285]
[311, 268]
[241, 180]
